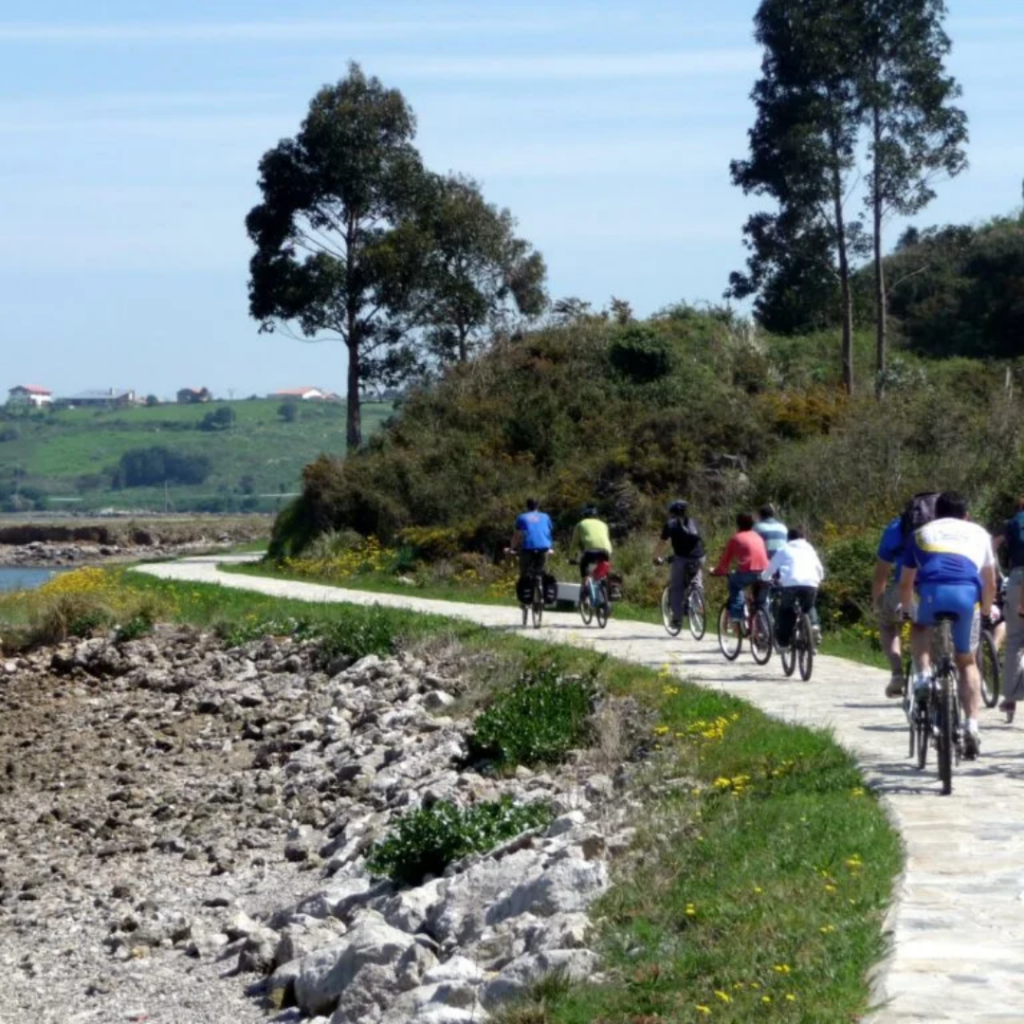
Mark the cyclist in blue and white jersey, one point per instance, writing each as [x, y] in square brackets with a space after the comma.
[950, 563]
[532, 538]
[771, 530]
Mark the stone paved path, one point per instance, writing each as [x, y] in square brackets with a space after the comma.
[958, 921]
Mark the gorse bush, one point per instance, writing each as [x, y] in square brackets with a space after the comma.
[538, 720]
[424, 842]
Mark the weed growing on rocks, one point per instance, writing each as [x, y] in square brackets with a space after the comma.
[539, 720]
[424, 842]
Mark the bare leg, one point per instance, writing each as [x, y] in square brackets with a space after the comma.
[970, 684]
[920, 646]
[890, 641]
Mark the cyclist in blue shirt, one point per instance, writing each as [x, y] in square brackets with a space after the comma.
[532, 538]
[951, 564]
[886, 601]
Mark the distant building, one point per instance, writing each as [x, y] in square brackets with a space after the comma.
[29, 394]
[111, 398]
[189, 396]
[301, 395]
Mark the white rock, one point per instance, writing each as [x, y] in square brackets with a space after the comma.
[566, 823]
[567, 886]
[454, 969]
[463, 912]
[437, 699]
[516, 980]
[327, 973]
[410, 908]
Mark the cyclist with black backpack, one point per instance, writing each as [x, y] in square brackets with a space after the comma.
[885, 597]
[688, 550]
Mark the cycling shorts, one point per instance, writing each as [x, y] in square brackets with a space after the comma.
[960, 599]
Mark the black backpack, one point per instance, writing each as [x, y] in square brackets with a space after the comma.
[919, 511]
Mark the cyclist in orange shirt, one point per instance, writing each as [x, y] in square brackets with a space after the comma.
[746, 549]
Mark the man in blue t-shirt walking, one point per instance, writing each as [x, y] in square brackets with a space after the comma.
[532, 539]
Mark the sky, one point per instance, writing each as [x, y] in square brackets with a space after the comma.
[130, 133]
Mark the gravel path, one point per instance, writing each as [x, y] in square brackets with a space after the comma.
[958, 913]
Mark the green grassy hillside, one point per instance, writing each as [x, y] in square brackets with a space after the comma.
[66, 458]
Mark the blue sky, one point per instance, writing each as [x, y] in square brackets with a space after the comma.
[132, 130]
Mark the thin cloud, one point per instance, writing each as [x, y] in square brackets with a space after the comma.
[574, 66]
[78, 33]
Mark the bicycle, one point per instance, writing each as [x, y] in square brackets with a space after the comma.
[535, 607]
[756, 625]
[801, 647]
[987, 657]
[594, 599]
[693, 603]
[937, 718]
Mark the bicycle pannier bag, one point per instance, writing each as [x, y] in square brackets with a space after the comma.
[614, 586]
[919, 511]
[524, 590]
[550, 589]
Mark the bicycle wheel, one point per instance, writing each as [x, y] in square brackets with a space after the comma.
[788, 655]
[666, 613]
[761, 637]
[988, 665]
[945, 715]
[921, 719]
[537, 608]
[526, 614]
[603, 606]
[805, 648]
[586, 606]
[698, 615]
[729, 640]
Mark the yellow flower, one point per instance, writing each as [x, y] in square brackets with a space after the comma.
[791, 997]
[758, 889]
[724, 996]
[781, 968]
[703, 1009]
[766, 999]
[827, 929]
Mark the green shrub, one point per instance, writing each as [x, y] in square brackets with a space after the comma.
[849, 567]
[537, 721]
[426, 841]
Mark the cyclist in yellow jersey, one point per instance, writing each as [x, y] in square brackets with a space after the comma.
[591, 539]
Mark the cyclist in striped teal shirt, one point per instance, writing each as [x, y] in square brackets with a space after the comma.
[773, 532]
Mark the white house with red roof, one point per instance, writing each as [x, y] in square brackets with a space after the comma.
[307, 394]
[29, 394]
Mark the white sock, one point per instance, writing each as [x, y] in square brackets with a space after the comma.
[972, 725]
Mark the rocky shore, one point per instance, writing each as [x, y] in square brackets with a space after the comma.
[45, 554]
[184, 830]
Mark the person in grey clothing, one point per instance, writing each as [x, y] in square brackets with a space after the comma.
[771, 530]
[1012, 535]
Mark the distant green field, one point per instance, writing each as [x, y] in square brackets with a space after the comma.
[68, 455]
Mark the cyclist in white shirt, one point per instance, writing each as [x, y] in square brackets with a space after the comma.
[800, 574]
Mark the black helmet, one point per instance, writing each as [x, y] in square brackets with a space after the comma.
[679, 506]
[589, 511]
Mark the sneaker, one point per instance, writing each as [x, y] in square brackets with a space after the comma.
[677, 623]
[816, 640]
[894, 688]
[1008, 707]
[972, 745]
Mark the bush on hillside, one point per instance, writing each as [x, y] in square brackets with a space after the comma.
[144, 467]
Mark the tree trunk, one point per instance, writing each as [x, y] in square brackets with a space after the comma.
[844, 283]
[463, 346]
[881, 341]
[354, 418]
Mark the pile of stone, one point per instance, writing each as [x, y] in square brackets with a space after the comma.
[174, 802]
